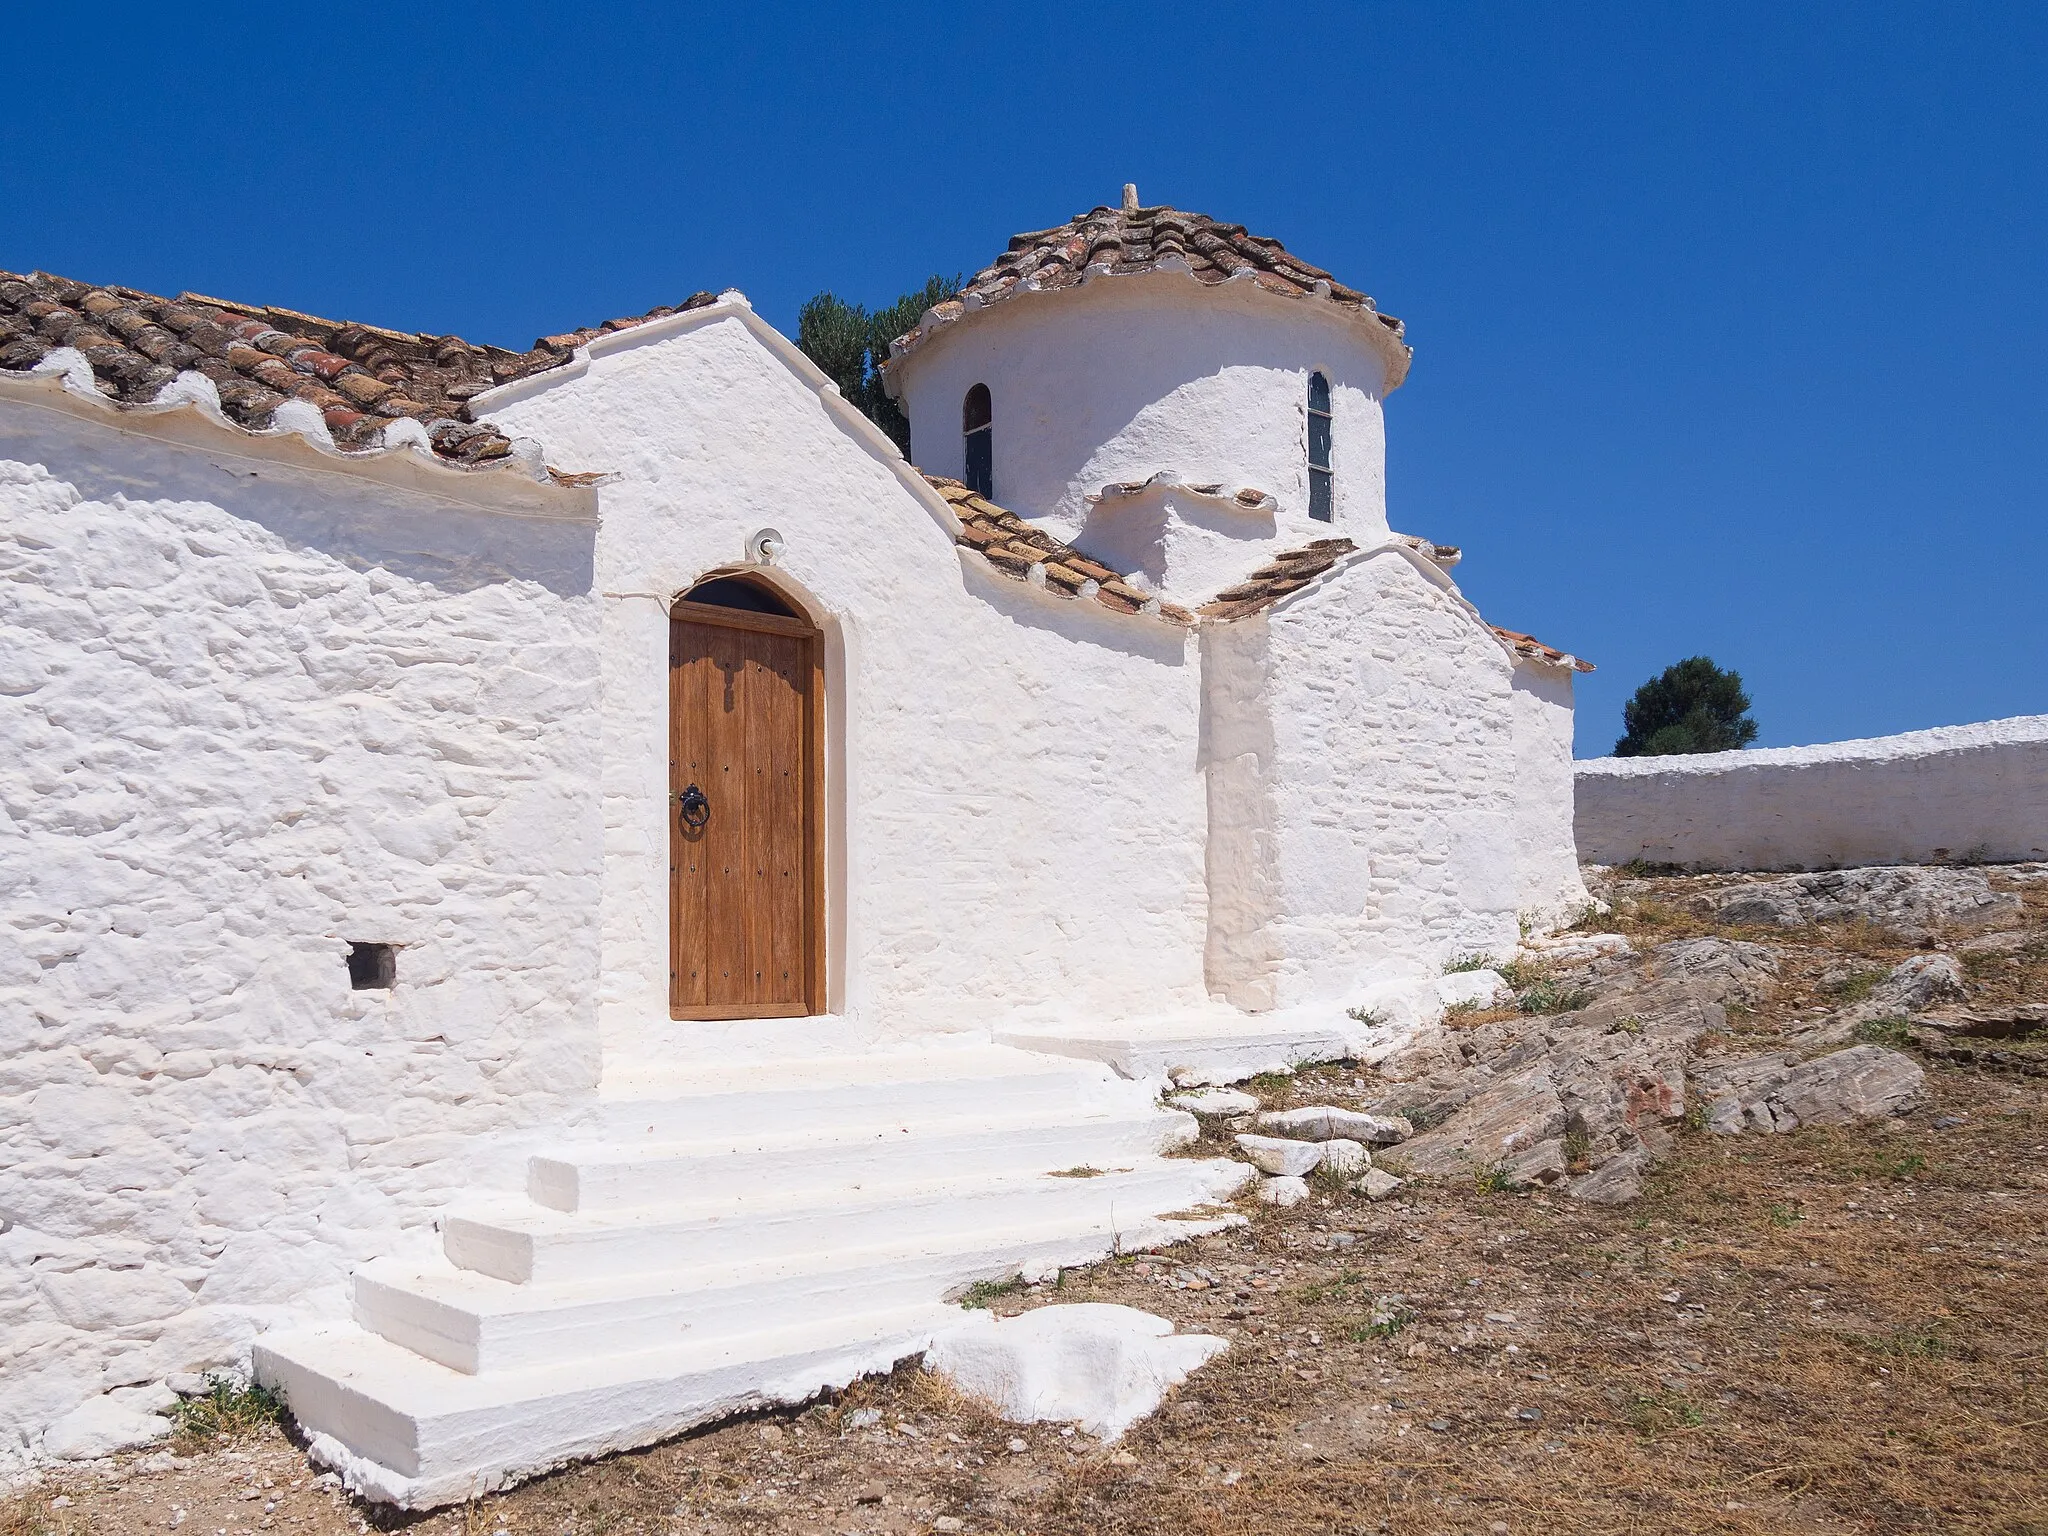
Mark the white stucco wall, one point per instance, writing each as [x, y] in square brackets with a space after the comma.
[249, 713]
[1549, 889]
[1017, 814]
[1361, 750]
[1122, 378]
[1978, 791]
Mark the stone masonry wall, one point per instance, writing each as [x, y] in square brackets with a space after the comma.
[230, 743]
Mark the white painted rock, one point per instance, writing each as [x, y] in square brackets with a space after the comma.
[1103, 1367]
[1377, 1184]
[1321, 1122]
[1215, 1101]
[1469, 987]
[1345, 1158]
[99, 1427]
[1283, 1191]
[1279, 1156]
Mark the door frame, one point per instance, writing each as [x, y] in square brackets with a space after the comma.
[682, 611]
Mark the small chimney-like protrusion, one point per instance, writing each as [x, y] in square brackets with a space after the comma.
[1130, 197]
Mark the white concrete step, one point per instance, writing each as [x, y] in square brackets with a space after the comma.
[407, 1431]
[475, 1323]
[616, 1175]
[523, 1243]
[1200, 1049]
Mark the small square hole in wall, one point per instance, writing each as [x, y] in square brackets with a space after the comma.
[372, 967]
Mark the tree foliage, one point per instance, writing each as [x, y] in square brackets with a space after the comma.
[850, 343]
[1691, 706]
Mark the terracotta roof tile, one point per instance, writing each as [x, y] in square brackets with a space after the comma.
[1120, 241]
[1289, 571]
[360, 377]
[1024, 553]
[1536, 650]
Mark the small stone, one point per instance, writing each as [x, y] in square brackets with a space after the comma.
[949, 1523]
[1377, 1184]
[1279, 1156]
[1019, 1447]
[771, 1434]
[871, 1493]
[864, 1418]
[1215, 1101]
[909, 1431]
[1440, 1426]
[1500, 1317]
[1123, 1459]
[1345, 1158]
[1948, 1122]
[1530, 1415]
[1283, 1191]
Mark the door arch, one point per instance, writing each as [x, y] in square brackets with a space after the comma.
[746, 804]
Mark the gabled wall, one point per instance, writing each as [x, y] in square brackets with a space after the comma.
[1015, 811]
[1360, 746]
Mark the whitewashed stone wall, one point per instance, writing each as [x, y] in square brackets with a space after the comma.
[1959, 791]
[1122, 378]
[1361, 744]
[247, 715]
[1549, 889]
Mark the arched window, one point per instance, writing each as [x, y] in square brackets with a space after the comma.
[977, 423]
[1320, 486]
[741, 593]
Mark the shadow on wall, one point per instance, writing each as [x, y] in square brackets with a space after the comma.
[1142, 639]
[360, 523]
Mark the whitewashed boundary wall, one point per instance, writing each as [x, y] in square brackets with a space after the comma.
[1957, 792]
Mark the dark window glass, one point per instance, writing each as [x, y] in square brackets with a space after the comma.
[977, 421]
[372, 967]
[1320, 479]
[736, 592]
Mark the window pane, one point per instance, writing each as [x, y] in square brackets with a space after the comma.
[981, 463]
[1319, 442]
[1319, 495]
[1318, 393]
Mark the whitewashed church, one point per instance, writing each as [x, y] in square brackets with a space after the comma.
[557, 895]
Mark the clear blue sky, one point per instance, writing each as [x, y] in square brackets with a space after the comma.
[1731, 319]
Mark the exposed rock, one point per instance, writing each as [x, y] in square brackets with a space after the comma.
[1102, 1366]
[1321, 1122]
[1724, 968]
[1615, 1182]
[101, 1426]
[1909, 899]
[1918, 984]
[1516, 1126]
[1279, 1156]
[1345, 1159]
[1779, 1093]
[1283, 1191]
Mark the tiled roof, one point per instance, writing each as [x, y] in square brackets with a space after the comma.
[1296, 568]
[1536, 650]
[1118, 241]
[1287, 572]
[360, 377]
[1028, 554]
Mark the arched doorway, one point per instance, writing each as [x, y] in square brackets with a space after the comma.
[746, 834]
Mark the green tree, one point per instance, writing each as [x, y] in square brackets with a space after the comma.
[1691, 706]
[851, 343]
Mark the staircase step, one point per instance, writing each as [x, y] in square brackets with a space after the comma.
[526, 1244]
[474, 1323]
[408, 1431]
[618, 1175]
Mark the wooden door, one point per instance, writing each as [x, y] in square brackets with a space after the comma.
[746, 869]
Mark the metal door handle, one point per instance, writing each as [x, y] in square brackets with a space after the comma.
[696, 810]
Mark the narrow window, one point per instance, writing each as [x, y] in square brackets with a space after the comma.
[372, 967]
[1319, 485]
[977, 418]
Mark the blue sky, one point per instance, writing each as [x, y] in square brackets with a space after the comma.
[1731, 320]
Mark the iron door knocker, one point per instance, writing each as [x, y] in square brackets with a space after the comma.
[696, 810]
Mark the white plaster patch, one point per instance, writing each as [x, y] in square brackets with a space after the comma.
[1101, 1366]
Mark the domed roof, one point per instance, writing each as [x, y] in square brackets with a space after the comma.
[1119, 242]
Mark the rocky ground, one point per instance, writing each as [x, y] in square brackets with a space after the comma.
[1732, 1222]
